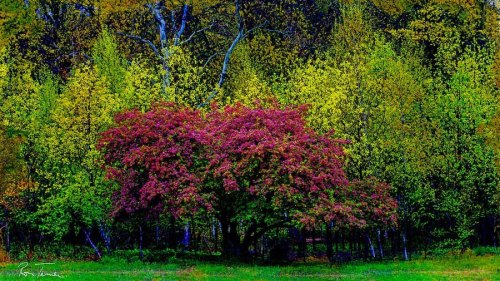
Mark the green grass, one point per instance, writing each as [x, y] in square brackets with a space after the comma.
[468, 267]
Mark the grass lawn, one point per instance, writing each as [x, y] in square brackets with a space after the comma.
[446, 268]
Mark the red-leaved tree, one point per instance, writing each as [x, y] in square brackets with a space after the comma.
[253, 169]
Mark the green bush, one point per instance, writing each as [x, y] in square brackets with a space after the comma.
[147, 255]
[50, 251]
[483, 251]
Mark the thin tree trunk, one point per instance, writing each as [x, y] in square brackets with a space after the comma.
[172, 237]
[157, 234]
[342, 239]
[230, 239]
[106, 237]
[87, 236]
[314, 240]
[141, 254]
[494, 236]
[336, 238]
[187, 237]
[194, 235]
[7, 237]
[394, 242]
[215, 234]
[303, 243]
[380, 246]
[328, 240]
[351, 245]
[405, 252]
[372, 249]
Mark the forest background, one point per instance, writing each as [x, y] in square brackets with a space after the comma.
[411, 86]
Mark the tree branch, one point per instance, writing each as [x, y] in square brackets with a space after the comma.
[149, 43]
[162, 26]
[87, 236]
[284, 33]
[227, 57]
[253, 29]
[194, 33]
[249, 237]
[211, 57]
[183, 25]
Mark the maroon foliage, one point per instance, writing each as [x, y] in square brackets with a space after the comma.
[150, 155]
[253, 169]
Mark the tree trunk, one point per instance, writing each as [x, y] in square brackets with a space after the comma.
[230, 239]
[494, 233]
[215, 234]
[234, 240]
[380, 246]
[328, 240]
[172, 237]
[106, 237]
[187, 236]
[372, 249]
[351, 245]
[141, 254]
[303, 243]
[314, 240]
[87, 236]
[405, 252]
[157, 234]
[7, 237]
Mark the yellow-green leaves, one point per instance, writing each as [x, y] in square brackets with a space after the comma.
[188, 85]
[142, 87]
[109, 62]
[246, 84]
[85, 108]
[325, 88]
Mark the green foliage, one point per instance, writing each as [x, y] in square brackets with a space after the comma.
[465, 167]
[142, 87]
[246, 83]
[109, 62]
[14, 16]
[188, 81]
[412, 86]
[77, 197]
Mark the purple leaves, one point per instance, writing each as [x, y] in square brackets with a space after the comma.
[173, 159]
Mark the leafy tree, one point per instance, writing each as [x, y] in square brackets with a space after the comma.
[14, 16]
[142, 87]
[109, 62]
[274, 170]
[11, 172]
[464, 165]
[189, 85]
[246, 83]
[77, 195]
[27, 99]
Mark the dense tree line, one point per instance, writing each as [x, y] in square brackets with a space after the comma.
[401, 96]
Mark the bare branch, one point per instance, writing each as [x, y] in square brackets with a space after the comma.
[183, 25]
[227, 57]
[149, 43]
[172, 18]
[211, 57]
[162, 26]
[253, 29]
[194, 33]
